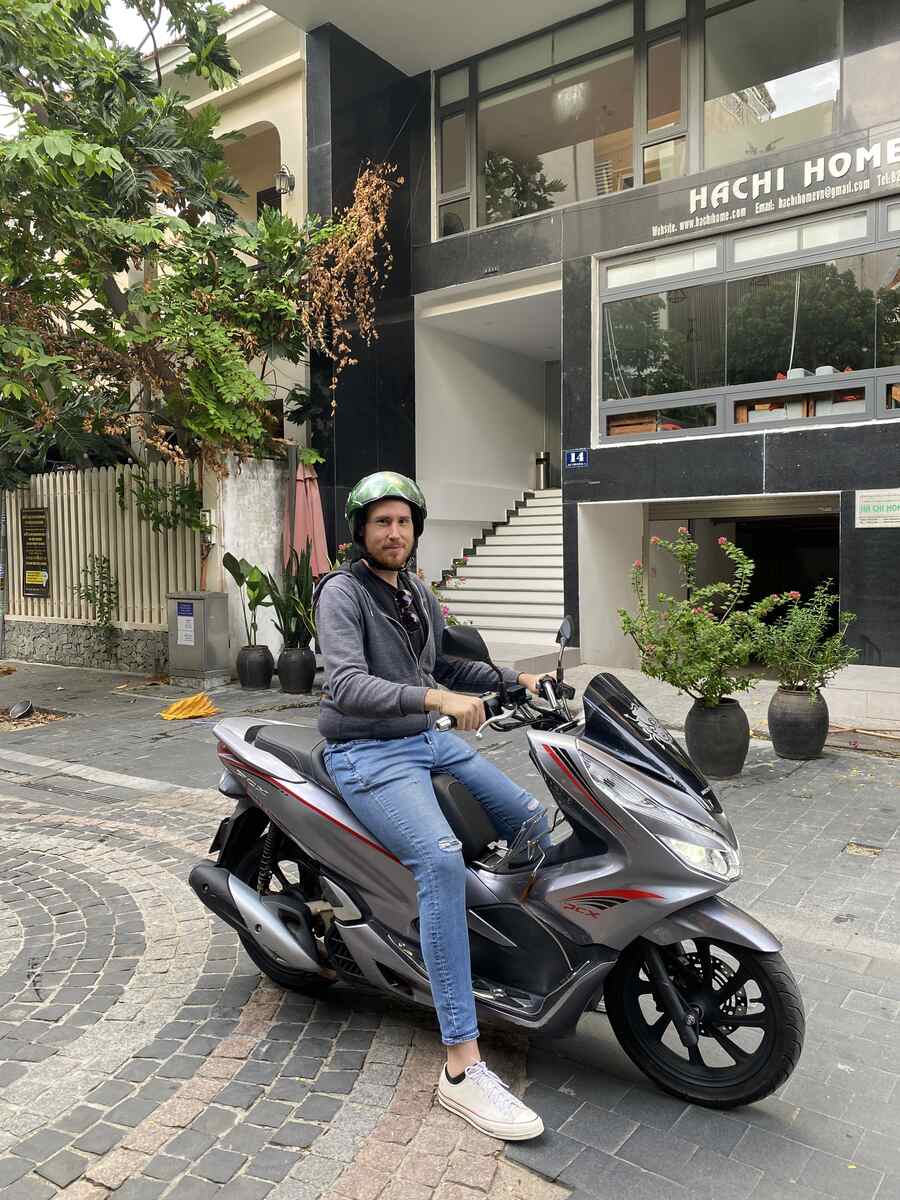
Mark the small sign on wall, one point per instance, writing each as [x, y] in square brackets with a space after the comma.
[185, 614]
[878, 510]
[577, 458]
[35, 553]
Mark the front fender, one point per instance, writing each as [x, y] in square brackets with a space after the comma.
[716, 919]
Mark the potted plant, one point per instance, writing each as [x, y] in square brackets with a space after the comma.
[700, 643]
[798, 649]
[294, 620]
[255, 664]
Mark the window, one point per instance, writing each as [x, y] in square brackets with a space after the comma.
[800, 406]
[662, 12]
[453, 153]
[892, 395]
[672, 341]
[772, 77]
[665, 160]
[684, 261]
[661, 420]
[813, 235]
[664, 84]
[871, 58]
[563, 138]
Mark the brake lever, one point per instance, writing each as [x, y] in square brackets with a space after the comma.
[500, 716]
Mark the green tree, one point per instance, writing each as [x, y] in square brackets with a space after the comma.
[108, 172]
[514, 187]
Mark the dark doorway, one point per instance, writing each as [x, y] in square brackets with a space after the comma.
[791, 552]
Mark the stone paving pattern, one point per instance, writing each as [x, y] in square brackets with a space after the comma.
[143, 1056]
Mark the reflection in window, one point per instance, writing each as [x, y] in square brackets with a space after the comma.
[560, 139]
[453, 153]
[453, 218]
[664, 84]
[772, 77]
[665, 160]
[671, 341]
[815, 320]
[662, 420]
[871, 58]
[892, 395]
[800, 406]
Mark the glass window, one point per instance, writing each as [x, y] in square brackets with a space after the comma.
[764, 245]
[454, 86]
[453, 218]
[893, 221]
[677, 262]
[799, 406]
[661, 12]
[672, 341]
[560, 139]
[453, 153]
[813, 320]
[871, 60]
[884, 268]
[664, 84]
[604, 28]
[772, 77]
[524, 59]
[892, 395]
[661, 420]
[837, 229]
[665, 160]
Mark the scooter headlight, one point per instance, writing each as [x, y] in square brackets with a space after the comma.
[722, 861]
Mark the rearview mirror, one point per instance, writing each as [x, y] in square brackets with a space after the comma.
[565, 632]
[462, 641]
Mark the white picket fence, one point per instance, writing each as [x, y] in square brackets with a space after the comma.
[85, 519]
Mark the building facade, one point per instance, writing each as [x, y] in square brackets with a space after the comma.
[658, 238]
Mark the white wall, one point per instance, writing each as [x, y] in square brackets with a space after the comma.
[479, 424]
[610, 538]
[249, 522]
[712, 565]
[663, 574]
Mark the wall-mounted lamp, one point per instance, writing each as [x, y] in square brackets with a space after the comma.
[284, 181]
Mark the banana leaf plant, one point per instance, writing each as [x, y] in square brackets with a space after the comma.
[254, 586]
[292, 599]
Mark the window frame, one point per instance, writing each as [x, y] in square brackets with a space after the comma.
[639, 43]
[870, 380]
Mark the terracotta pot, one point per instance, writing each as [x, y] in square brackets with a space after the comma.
[718, 737]
[296, 669]
[255, 666]
[798, 723]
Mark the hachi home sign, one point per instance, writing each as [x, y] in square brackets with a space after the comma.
[878, 509]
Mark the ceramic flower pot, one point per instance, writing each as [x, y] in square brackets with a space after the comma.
[718, 737]
[798, 723]
[296, 669]
[255, 666]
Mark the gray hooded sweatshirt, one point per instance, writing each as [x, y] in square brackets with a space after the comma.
[374, 684]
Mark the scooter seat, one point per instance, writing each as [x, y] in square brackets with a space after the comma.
[304, 751]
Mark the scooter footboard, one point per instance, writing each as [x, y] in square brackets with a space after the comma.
[715, 919]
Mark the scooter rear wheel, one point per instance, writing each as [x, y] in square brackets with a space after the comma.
[290, 875]
[749, 1012]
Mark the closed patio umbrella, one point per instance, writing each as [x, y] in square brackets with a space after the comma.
[303, 518]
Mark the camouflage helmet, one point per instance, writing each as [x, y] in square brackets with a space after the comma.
[386, 485]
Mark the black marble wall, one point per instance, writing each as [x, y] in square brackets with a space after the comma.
[359, 109]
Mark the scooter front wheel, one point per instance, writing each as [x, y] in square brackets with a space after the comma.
[749, 1017]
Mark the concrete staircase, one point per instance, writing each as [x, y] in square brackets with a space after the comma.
[510, 586]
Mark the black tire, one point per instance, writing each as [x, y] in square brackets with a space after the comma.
[248, 872]
[756, 995]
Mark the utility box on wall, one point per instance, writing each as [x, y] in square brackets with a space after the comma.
[199, 650]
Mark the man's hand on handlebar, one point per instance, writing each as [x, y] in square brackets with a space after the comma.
[532, 682]
[467, 711]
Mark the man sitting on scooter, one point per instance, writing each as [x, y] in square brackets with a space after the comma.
[386, 683]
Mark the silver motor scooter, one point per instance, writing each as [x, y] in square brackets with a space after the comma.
[621, 912]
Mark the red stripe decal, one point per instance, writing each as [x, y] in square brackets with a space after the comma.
[551, 753]
[238, 762]
[621, 893]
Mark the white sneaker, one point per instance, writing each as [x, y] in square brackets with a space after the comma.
[487, 1103]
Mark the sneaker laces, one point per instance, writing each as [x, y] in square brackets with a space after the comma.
[494, 1088]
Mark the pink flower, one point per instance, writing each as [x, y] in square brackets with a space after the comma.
[654, 541]
[683, 529]
[774, 596]
[697, 610]
[793, 595]
[637, 564]
[445, 611]
[723, 541]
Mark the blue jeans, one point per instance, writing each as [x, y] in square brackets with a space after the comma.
[387, 785]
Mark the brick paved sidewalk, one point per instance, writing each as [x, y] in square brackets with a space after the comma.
[141, 1054]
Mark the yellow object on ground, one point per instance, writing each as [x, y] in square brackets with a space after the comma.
[199, 705]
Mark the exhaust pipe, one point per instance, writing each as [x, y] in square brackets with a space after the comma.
[262, 918]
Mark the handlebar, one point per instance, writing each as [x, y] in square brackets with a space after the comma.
[444, 724]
